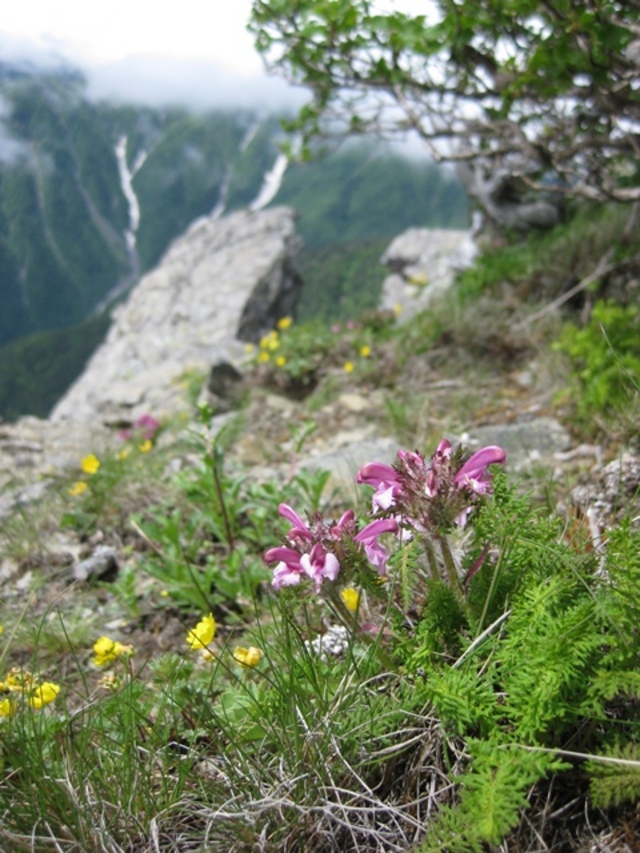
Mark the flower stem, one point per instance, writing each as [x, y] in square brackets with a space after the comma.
[452, 572]
[431, 559]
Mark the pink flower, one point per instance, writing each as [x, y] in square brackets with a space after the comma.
[431, 495]
[368, 538]
[309, 554]
[289, 570]
[319, 564]
[148, 426]
[300, 530]
[346, 524]
[385, 481]
[474, 474]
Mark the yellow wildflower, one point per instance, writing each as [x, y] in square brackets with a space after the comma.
[43, 694]
[273, 344]
[398, 309]
[365, 351]
[348, 367]
[248, 657]
[8, 707]
[284, 322]
[90, 464]
[124, 453]
[281, 361]
[203, 634]
[1, 629]
[263, 356]
[106, 650]
[145, 446]
[78, 488]
[19, 680]
[267, 340]
[249, 348]
[351, 598]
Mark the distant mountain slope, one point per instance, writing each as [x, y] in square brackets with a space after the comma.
[68, 239]
[365, 190]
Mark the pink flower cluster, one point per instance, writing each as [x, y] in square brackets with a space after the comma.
[431, 496]
[414, 496]
[145, 428]
[316, 550]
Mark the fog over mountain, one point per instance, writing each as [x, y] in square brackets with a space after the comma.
[154, 80]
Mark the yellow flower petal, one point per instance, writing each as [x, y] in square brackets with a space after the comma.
[351, 598]
[348, 367]
[44, 694]
[145, 446]
[284, 322]
[365, 351]
[106, 650]
[77, 489]
[90, 464]
[248, 657]
[8, 707]
[203, 634]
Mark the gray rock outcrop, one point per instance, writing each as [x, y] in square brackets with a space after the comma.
[223, 282]
[423, 264]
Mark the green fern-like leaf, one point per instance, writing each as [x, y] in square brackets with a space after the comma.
[548, 657]
[620, 592]
[463, 701]
[438, 631]
[618, 781]
[493, 794]
[404, 566]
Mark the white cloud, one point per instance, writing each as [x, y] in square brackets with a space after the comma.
[199, 84]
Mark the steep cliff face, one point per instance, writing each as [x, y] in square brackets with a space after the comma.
[224, 282]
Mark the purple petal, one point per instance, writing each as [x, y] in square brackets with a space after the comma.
[377, 556]
[376, 474]
[475, 467]
[385, 498]
[444, 449]
[345, 523]
[331, 567]
[320, 564]
[299, 525]
[283, 575]
[376, 528]
[282, 554]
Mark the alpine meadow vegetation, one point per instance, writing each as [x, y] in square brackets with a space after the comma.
[441, 656]
[434, 661]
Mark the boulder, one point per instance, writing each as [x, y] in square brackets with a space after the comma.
[223, 282]
[424, 262]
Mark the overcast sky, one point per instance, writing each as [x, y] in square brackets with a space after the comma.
[192, 50]
[189, 52]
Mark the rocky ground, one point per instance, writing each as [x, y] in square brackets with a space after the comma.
[347, 422]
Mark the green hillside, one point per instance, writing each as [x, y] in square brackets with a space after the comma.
[364, 191]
